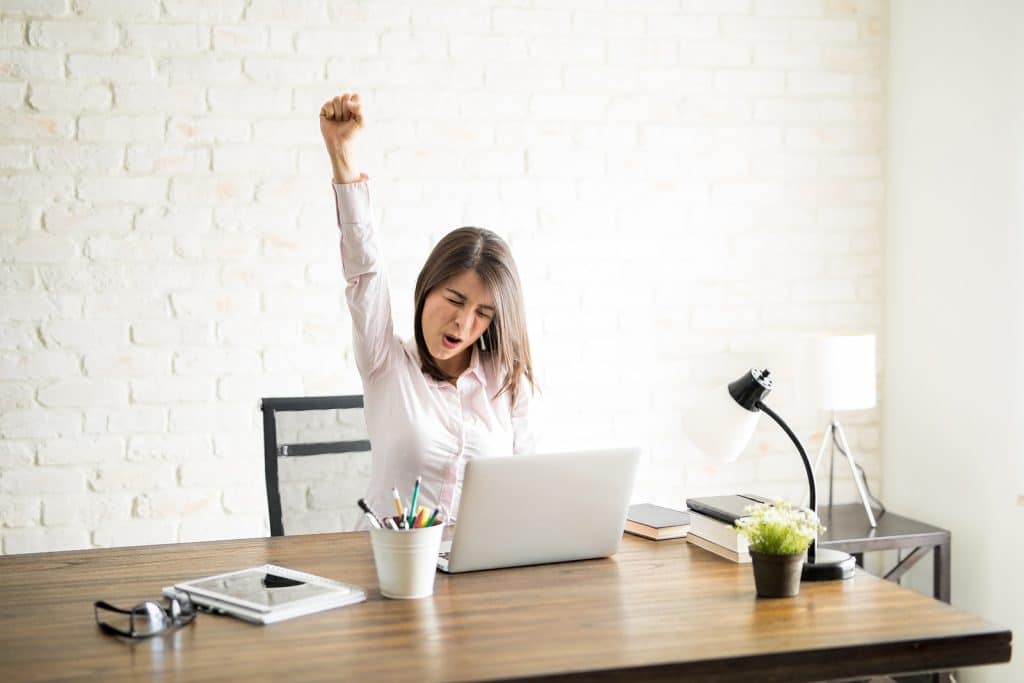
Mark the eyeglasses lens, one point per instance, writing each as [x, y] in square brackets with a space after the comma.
[181, 609]
[147, 618]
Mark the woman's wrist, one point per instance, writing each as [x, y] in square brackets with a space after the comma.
[341, 165]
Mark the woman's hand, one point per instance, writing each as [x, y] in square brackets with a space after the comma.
[340, 118]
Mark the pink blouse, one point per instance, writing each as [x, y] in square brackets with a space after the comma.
[417, 425]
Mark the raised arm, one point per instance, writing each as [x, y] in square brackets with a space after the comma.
[369, 299]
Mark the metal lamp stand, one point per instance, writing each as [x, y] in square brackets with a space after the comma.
[836, 437]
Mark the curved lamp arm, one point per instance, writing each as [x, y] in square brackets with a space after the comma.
[807, 466]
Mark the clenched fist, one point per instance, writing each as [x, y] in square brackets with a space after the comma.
[340, 118]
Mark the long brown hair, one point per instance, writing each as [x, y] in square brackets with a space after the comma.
[487, 254]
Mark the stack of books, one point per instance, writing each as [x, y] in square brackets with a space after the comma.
[712, 521]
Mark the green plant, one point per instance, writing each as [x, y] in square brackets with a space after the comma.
[778, 528]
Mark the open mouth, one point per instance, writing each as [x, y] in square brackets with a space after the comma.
[451, 342]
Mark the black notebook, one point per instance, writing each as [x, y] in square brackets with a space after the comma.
[656, 522]
[725, 508]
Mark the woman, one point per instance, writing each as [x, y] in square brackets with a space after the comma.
[456, 390]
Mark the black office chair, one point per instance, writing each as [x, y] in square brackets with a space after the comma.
[272, 450]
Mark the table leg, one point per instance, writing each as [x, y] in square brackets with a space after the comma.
[941, 571]
[941, 578]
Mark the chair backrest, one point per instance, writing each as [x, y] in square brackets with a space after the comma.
[273, 449]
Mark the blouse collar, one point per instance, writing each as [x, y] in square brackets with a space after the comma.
[475, 362]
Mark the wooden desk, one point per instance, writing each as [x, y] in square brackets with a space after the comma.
[655, 611]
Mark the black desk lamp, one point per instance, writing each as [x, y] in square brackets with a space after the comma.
[722, 426]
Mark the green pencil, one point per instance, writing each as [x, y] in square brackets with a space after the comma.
[412, 501]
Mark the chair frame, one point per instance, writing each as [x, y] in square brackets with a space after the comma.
[272, 450]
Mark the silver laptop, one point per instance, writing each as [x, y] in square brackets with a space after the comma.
[535, 509]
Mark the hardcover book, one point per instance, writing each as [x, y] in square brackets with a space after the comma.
[718, 532]
[656, 522]
[719, 550]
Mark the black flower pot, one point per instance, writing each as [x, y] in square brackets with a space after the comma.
[777, 576]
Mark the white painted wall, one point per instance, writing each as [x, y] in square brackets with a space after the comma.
[688, 187]
[954, 304]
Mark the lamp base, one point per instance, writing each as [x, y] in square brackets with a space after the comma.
[828, 565]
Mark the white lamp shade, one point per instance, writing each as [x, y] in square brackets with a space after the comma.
[719, 426]
[848, 372]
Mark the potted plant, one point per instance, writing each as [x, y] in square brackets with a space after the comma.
[778, 535]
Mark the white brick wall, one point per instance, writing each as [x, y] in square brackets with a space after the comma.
[689, 187]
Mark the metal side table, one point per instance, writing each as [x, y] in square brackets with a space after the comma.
[848, 530]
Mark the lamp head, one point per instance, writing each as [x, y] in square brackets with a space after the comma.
[721, 424]
[751, 388]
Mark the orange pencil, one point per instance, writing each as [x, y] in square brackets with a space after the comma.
[421, 518]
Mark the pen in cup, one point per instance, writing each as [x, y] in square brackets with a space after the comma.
[371, 516]
[398, 506]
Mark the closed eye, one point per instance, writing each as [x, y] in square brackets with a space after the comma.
[480, 313]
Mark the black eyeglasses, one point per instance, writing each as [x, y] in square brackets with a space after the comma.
[148, 618]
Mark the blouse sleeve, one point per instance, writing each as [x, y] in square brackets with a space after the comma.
[369, 299]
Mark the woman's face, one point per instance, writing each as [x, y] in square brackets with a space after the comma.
[455, 314]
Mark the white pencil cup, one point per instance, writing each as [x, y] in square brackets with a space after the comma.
[406, 560]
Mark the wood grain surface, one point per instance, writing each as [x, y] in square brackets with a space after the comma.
[654, 611]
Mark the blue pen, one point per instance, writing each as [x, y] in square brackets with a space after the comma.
[412, 501]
